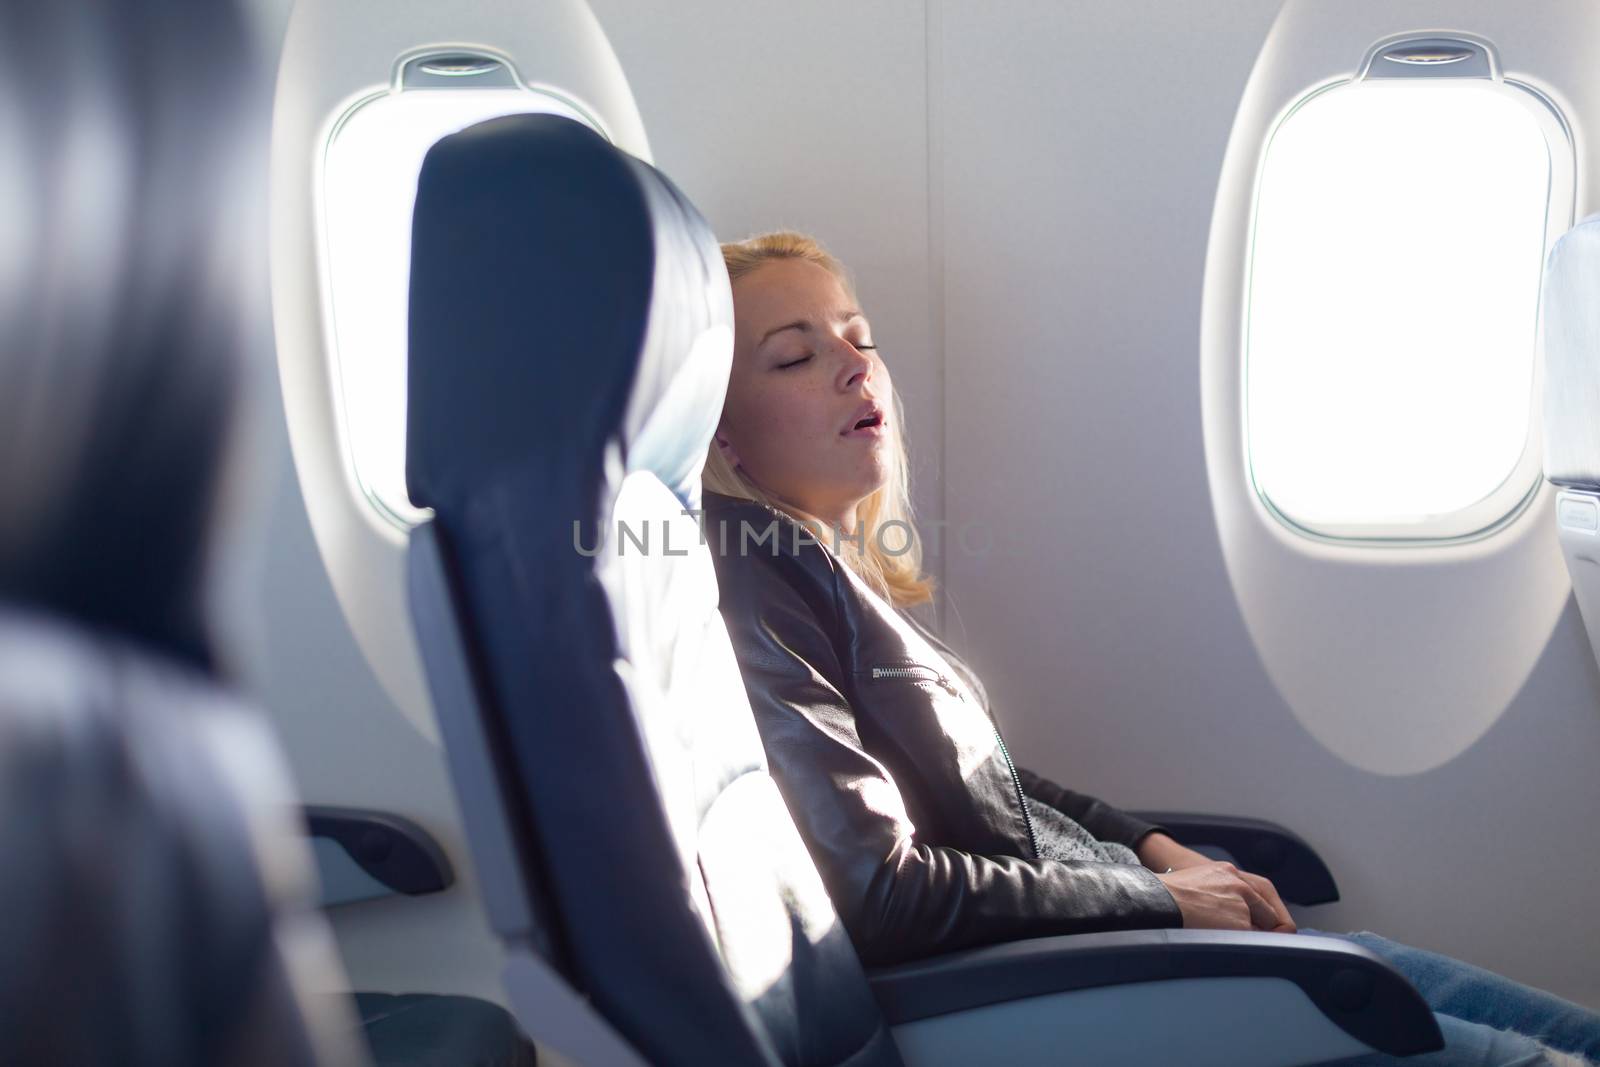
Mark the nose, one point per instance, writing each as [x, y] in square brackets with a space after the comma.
[855, 366]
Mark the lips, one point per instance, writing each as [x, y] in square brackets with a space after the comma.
[868, 420]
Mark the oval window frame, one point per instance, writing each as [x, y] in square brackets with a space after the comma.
[1511, 498]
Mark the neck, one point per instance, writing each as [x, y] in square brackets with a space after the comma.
[845, 522]
[842, 520]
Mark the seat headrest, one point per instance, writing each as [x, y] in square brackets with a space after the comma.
[565, 298]
[1572, 357]
[126, 238]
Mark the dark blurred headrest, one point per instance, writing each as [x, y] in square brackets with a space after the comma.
[565, 297]
[126, 246]
[1572, 357]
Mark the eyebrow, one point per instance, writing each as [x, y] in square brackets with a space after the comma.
[805, 324]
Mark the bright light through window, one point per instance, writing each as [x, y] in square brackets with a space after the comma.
[1400, 232]
[370, 187]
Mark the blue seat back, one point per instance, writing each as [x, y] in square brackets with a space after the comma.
[570, 341]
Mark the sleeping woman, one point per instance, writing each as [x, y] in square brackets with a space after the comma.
[928, 834]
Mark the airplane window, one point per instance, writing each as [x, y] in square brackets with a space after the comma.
[369, 187]
[1400, 231]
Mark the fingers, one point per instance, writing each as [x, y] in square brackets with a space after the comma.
[1262, 917]
[1282, 921]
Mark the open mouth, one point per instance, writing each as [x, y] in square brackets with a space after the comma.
[869, 420]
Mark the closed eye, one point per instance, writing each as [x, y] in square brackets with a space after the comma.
[794, 362]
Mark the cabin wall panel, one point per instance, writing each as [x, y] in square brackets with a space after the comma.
[346, 740]
[1075, 234]
[808, 116]
[349, 745]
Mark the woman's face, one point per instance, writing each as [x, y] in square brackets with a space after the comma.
[808, 399]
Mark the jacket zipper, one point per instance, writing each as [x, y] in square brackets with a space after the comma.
[925, 674]
[921, 674]
[1016, 780]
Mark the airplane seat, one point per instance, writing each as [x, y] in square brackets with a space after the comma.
[570, 340]
[157, 899]
[696, 952]
[154, 914]
[1572, 408]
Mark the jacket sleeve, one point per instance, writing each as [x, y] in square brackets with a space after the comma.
[898, 898]
[1096, 816]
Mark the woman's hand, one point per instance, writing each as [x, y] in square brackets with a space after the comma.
[1282, 923]
[1219, 896]
[1160, 852]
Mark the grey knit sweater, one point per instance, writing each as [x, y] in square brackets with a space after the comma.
[1061, 838]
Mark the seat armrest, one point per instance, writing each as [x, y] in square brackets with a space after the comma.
[1353, 988]
[1258, 846]
[394, 852]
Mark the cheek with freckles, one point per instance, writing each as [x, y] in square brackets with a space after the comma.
[780, 436]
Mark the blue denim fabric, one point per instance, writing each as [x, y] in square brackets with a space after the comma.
[1487, 1020]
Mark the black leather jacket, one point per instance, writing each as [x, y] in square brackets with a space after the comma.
[894, 770]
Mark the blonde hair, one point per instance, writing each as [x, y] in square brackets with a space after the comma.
[896, 575]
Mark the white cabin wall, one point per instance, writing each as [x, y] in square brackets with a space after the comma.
[1083, 146]
[812, 116]
[347, 743]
